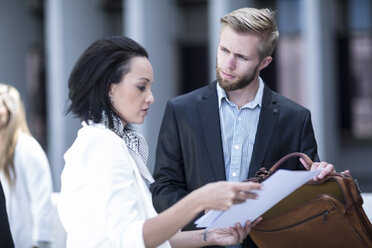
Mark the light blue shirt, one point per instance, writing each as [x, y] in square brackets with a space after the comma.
[238, 131]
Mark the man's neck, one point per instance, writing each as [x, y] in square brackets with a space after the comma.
[243, 96]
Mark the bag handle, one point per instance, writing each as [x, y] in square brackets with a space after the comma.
[306, 158]
[262, 173]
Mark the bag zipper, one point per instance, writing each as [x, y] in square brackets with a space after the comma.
[325, 220]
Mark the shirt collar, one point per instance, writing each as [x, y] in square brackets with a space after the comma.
[257, 101]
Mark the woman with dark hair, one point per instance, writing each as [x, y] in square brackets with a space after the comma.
[104, 199]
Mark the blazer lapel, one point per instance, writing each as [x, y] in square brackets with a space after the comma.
[266, 124]
[210, 120]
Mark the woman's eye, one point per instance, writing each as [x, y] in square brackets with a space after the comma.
[141, 88]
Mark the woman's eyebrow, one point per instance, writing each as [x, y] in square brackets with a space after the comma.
[144, 78]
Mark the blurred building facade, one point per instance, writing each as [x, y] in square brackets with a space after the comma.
[323, 61]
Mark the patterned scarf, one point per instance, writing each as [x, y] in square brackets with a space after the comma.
[134, 141]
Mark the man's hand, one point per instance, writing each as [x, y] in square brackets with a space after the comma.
[325, 167]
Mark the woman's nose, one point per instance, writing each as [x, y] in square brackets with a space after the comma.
[150, 98]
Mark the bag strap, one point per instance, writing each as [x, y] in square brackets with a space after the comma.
[263, 173]
[306, 158]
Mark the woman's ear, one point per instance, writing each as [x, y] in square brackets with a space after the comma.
[111, 90]
[111, 93]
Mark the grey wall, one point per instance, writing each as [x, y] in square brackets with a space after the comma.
[20, 30]
[71, 26]
[66, 28]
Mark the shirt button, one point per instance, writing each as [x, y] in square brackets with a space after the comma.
[234, 174]
[236, 147]
[239, 118]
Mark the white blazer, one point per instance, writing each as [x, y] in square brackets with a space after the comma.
[104, 200]
[28, 200]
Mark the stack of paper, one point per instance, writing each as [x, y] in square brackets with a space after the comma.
[275, 188]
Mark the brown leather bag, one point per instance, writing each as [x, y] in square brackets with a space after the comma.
[326, 213]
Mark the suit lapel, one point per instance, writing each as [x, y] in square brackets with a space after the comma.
[210, 120]
[267, 122]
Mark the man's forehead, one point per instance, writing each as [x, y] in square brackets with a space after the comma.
[245, 44]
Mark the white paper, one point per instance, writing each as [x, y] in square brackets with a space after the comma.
[275, 188]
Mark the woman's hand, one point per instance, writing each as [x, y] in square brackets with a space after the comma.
[230, 235]
[222, 195]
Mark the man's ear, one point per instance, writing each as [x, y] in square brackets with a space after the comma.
[265, 62]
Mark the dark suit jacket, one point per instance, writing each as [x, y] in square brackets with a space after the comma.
[6, 240]
[189, 151]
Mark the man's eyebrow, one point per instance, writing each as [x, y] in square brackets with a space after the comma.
[223, 47]
[240, 55]
[236, 54]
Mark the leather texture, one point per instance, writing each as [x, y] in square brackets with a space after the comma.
[326, 213]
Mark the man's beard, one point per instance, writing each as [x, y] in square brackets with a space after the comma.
[240, 82]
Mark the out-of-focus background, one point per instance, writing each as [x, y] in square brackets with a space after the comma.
[323, 61]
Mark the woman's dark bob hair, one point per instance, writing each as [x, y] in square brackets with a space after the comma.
[103, 63]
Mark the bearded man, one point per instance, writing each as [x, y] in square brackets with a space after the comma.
[235, 125]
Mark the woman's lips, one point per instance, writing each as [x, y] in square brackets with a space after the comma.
[145, 111]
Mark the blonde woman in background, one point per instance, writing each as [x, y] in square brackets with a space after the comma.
[25, 175]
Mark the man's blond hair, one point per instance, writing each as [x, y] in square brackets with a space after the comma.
[259, 22]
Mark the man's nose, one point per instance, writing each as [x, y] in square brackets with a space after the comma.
[231, 62]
